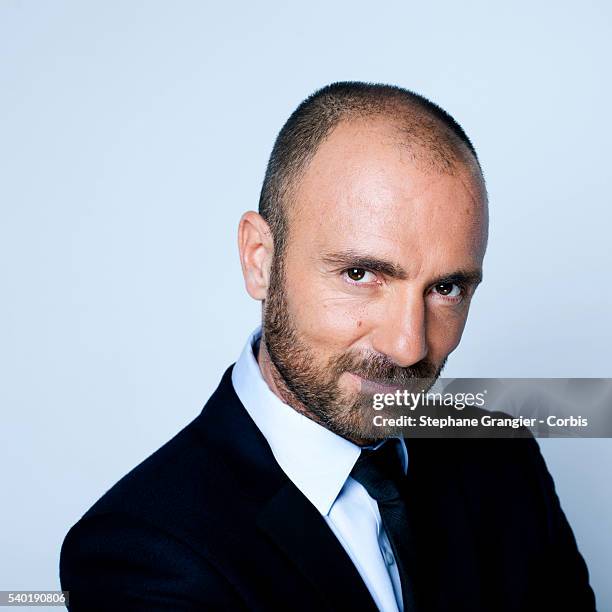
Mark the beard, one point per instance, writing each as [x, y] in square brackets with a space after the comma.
[312, 388]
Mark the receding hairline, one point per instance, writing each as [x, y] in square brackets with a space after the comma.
[433, 146]
[430, 148]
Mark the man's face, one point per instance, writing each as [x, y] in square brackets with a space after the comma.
[381, 262]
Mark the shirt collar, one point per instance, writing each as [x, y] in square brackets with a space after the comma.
[315, 459]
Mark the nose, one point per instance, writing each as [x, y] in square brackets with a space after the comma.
[401, 333]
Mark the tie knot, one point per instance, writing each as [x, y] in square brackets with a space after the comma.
[380, 471]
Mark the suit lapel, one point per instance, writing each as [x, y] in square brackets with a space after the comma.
[285, 515]
[298, 529]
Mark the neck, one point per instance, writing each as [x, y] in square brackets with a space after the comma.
[275, 381]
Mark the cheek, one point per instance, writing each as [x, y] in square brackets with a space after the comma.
[325, 320]
[444, 330]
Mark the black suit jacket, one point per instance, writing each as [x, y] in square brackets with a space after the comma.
[211, 522]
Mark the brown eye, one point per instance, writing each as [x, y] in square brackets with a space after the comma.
[356, 274]
[448, 289]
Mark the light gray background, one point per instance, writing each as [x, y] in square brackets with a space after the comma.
[134, 134]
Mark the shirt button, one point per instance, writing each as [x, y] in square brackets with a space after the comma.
[388, 556]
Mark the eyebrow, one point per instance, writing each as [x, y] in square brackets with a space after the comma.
[354, 259]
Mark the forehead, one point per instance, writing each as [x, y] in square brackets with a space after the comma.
[365, 187]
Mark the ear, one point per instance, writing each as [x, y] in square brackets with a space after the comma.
[256, 251]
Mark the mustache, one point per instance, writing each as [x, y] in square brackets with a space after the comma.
[381, 369]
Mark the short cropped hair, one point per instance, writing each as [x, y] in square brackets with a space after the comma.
[429, 131]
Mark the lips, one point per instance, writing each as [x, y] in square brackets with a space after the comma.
[375, 386]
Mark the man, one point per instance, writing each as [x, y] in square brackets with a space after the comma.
[366, 252]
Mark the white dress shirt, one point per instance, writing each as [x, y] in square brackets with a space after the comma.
[319, 462]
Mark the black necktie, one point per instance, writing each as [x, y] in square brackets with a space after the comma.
[380, 472]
